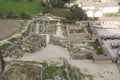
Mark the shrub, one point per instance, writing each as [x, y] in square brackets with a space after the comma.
[25, 15]
[45, 10]
[1, 15]
[11, 15]
[4, 46]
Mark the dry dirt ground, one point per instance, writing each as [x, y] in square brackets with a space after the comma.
[8, 27]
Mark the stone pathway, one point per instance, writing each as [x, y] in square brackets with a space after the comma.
[59, 32]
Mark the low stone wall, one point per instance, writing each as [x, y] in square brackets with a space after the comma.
[76, 57]
[103, 61]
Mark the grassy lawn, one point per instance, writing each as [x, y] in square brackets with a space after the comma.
[61, 12]
[52, 71]
[93, 19]
[19, 7]
[22, 27]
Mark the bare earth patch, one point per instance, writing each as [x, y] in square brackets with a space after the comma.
[8, 27]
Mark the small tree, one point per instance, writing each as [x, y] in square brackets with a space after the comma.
[77, 14]
[25, 15]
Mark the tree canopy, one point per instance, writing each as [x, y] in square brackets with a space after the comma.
[77, 14]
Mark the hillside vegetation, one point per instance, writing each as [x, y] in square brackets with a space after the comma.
[18, 8]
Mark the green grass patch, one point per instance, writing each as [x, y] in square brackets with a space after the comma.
[93, 18]
[26, 32]
[23, 25]
[52, 71]
[19, 7]
[64, 28]
[97, 49]
[61, 12]
[4, 46]
[112, 15]
[76, 74]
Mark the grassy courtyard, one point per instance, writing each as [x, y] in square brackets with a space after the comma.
[18, 7]
[59, 12]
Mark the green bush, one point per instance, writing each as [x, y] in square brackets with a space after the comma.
[25, 15]
[11, 15]
[4, 46]
[97, 49]
[45, 10]
[57, 3]
[88, 56]
[1, 15]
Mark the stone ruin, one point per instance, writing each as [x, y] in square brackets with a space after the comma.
[42, 25]
[76, 34]
[80, 51]
[34, 42]
[38, 37]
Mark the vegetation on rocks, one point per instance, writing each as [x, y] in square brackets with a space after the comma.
[97, 49]
[4, 46]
